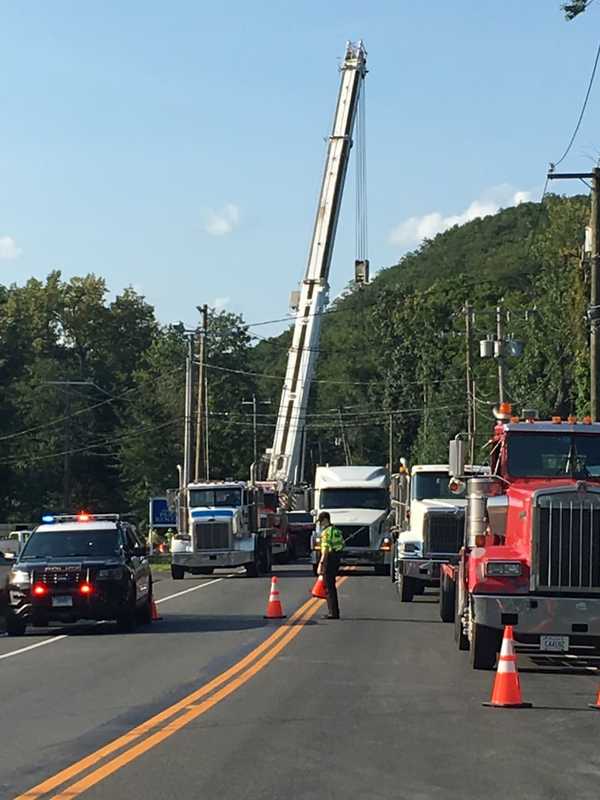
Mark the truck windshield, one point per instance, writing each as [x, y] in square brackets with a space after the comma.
[354, 498]
[219, 498]
[553, 454]
[71, 544]
[432, 486]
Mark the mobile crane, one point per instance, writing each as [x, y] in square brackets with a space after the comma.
[285, 458]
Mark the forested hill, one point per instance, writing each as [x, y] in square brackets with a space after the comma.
[91, 389]
[395, 350]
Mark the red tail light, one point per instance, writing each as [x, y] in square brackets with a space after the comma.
[39, 589]
[86, 588]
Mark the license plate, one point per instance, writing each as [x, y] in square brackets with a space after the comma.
[554, 644]
[62, 600]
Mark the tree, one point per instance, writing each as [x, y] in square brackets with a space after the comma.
[575, 8]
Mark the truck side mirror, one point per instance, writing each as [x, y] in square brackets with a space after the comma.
[456, 458]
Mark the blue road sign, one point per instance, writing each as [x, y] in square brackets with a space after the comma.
[160, 514]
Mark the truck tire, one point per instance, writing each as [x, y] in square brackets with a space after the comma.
[461, 640]
[15, 626]
[485, 644]
[406, 588]
[177, 572]
[447, 599]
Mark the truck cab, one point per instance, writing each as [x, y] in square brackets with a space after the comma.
[531, 554]
[223, 531]
[429, 516]
[358, 501]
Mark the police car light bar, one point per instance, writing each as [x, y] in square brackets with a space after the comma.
[82, 517]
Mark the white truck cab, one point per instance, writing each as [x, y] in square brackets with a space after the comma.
[358, 502]
[429, 526]
[223, 525]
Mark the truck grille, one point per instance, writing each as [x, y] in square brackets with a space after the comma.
[212, 535]
[355, 535]
[567, 551]
[444, 533]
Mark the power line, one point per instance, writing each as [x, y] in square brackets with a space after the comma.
[78, 413]
[579, 121]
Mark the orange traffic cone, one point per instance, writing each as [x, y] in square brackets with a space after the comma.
[596, 705]
[507, 687]
[155, 615]
[274, 609]
[319, 589]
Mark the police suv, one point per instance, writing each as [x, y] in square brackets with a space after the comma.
[80, 567]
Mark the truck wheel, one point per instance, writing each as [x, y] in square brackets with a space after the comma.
[177, 572]
[406, 588]
[484, 647]
[15, 626]
[447, 599]
[461, 640]
[382, 569]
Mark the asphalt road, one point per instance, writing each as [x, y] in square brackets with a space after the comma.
[214, 701]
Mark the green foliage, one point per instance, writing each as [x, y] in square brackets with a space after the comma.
[575, 8]
[98, 386]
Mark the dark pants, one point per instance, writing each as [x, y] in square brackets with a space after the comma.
[332, 565]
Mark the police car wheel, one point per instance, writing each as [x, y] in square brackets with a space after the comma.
[145, 612]
[15, 626]
[127, 618]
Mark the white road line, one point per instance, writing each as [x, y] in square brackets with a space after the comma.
[186, 591]
[65, 636]
[33, 646]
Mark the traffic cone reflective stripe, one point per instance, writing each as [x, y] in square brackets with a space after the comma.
[155, 614]
[319, 589]
[507, 686]
[596, 705]
[274, 608]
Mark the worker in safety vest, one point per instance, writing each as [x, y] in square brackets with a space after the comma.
[332, 545]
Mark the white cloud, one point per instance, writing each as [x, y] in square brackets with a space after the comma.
[220, 302]
[223, 221]
[9, 249]
[413, 230]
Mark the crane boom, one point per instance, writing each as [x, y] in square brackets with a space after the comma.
[284, 462]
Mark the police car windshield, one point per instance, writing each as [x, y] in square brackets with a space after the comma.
[432, 486]
[71, 544]
[553, 454]
[219, 498]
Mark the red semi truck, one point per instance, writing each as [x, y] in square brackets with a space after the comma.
[531, 555]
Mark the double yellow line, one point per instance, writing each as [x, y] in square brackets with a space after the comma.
[155, 730]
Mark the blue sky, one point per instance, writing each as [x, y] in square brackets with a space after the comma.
[178, 147]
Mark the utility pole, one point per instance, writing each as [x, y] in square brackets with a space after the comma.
[345, 444]
[66, 385]
[593, 309]
[187, 428]
[200, 409]
[500, 357]
[254, 403]
[468, 311]
[391, 443]
[206, 454]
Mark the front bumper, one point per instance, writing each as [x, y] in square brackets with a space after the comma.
[357, 556]
[422, 569]
[208, 558]
[532, 616]
[104, 603]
